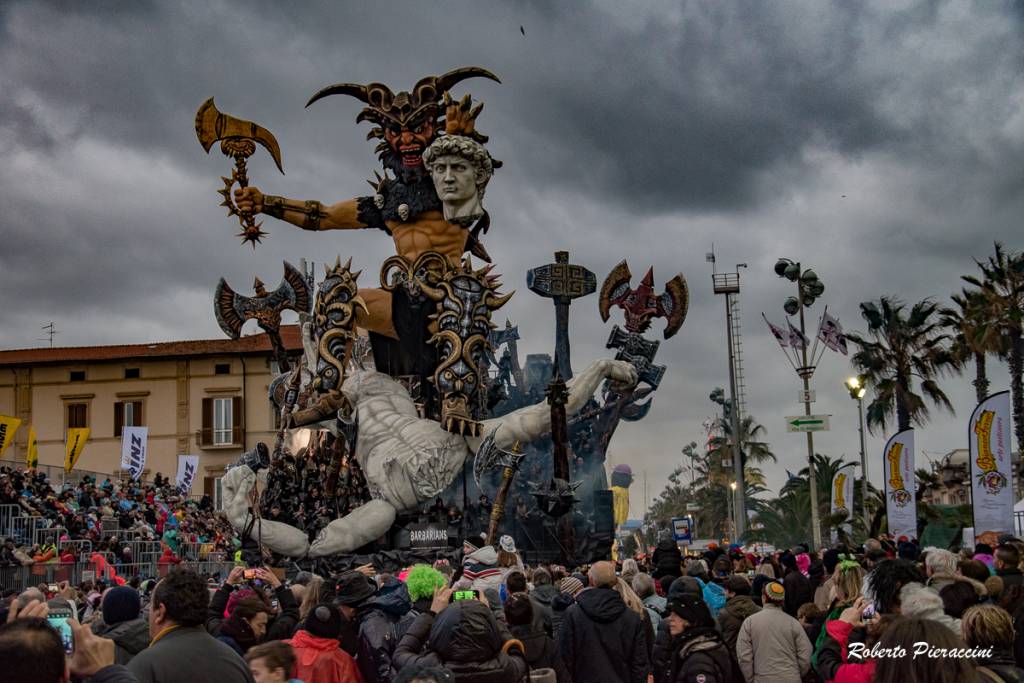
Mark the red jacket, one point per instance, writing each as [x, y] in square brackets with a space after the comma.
[322, 660]
[849, 672]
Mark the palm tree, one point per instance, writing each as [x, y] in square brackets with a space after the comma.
[973, 335]
[902, 348]
[752, 448]
[1002, 286]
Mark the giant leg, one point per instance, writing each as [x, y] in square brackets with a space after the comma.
[279, 537]
[364, 524]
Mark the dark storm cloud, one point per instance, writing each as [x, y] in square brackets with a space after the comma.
[880, 144]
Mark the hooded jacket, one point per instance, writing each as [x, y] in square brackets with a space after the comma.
[541, 596]
[730, 618]
[321, 660]
[559, 604]
[130, 637]
[378, 618]
[667, 558]
[602, 640]
[700, 655]
[467, 640]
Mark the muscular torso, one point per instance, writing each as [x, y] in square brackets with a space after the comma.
[429, 232]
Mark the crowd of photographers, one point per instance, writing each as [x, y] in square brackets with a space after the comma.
[883, 612]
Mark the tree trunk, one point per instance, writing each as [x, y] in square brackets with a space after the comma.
[1016, 389]
[902, 413]
[980, 377]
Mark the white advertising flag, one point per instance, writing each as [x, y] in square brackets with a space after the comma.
[900, 485]
[133, 450]
[187, 466]
[133, 445]
[991, 471]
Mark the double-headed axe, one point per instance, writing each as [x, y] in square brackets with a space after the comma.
[490, 457]
[238, 140]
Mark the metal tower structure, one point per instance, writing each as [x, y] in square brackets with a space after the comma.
[729, 285]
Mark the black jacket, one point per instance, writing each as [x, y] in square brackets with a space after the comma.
[378, 620]
[799, 590]
[667, 559]
[541, 597]
[701, 657]
[130, 637]
[541, 652]
[1010, 577]
[467, 640]
[661, 653]
[602, 640]
[279, 628]
[559, 604]
[1001, 663]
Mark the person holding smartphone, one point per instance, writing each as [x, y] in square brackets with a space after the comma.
[32, 649]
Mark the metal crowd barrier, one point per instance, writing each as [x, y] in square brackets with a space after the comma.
[20, 578]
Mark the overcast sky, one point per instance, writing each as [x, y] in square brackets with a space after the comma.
[878, 142]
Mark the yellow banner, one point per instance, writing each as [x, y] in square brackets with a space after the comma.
[32, 454]
[77, 437]
[8, 426]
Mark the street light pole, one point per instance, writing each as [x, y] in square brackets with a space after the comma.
[805, 374]
[856, 387]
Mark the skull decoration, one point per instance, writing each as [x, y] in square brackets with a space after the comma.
[334, 323]
[465, 299]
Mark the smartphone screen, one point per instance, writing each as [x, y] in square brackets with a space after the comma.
[249, 574]
[58, 619]
[53, 588]
[465, 595]
[869, 612]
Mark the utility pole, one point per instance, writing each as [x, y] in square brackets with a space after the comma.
[729, 285]
[809, 288]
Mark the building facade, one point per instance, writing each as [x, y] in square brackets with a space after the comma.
[203, 397]
[953, 479]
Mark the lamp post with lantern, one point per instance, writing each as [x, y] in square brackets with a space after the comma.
[855, 385]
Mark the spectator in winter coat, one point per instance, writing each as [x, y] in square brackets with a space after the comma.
[738, 607]
[661, 653]
[698, 653]
[849, 633]
[772, 646]
[246, 625]
[799, 588]
[569, 588]
[278, 626]
[464, 637]
[542, 595]
[539, 648]
[122, 623]
[1007, 559]
[667, 558]
[905, 633]
[643, 586]
[318, 656]
[990, 627]
[378, 612]
[601, 639]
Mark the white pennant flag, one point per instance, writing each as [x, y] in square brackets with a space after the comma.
[900, 485]
[187, 467]
[830, 332]
[133, 450]
[780, 336]
[796, 338]
[991, 468]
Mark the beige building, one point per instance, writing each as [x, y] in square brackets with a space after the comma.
[205, 398]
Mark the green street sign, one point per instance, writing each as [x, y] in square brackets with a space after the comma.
[807, 423]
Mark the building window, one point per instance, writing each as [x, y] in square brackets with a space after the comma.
[222, 369]
[131, 373]
[78, 415]
[127, 414]
[77, 375]
[222, 421]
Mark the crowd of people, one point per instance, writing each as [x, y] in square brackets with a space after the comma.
[154, 511]
[886, 611]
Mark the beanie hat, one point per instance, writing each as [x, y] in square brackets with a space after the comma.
[121, 603]
[830, 559]
[507, 544]
[324, 621]
[774, 591]
[691, 608]
[570, 585]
